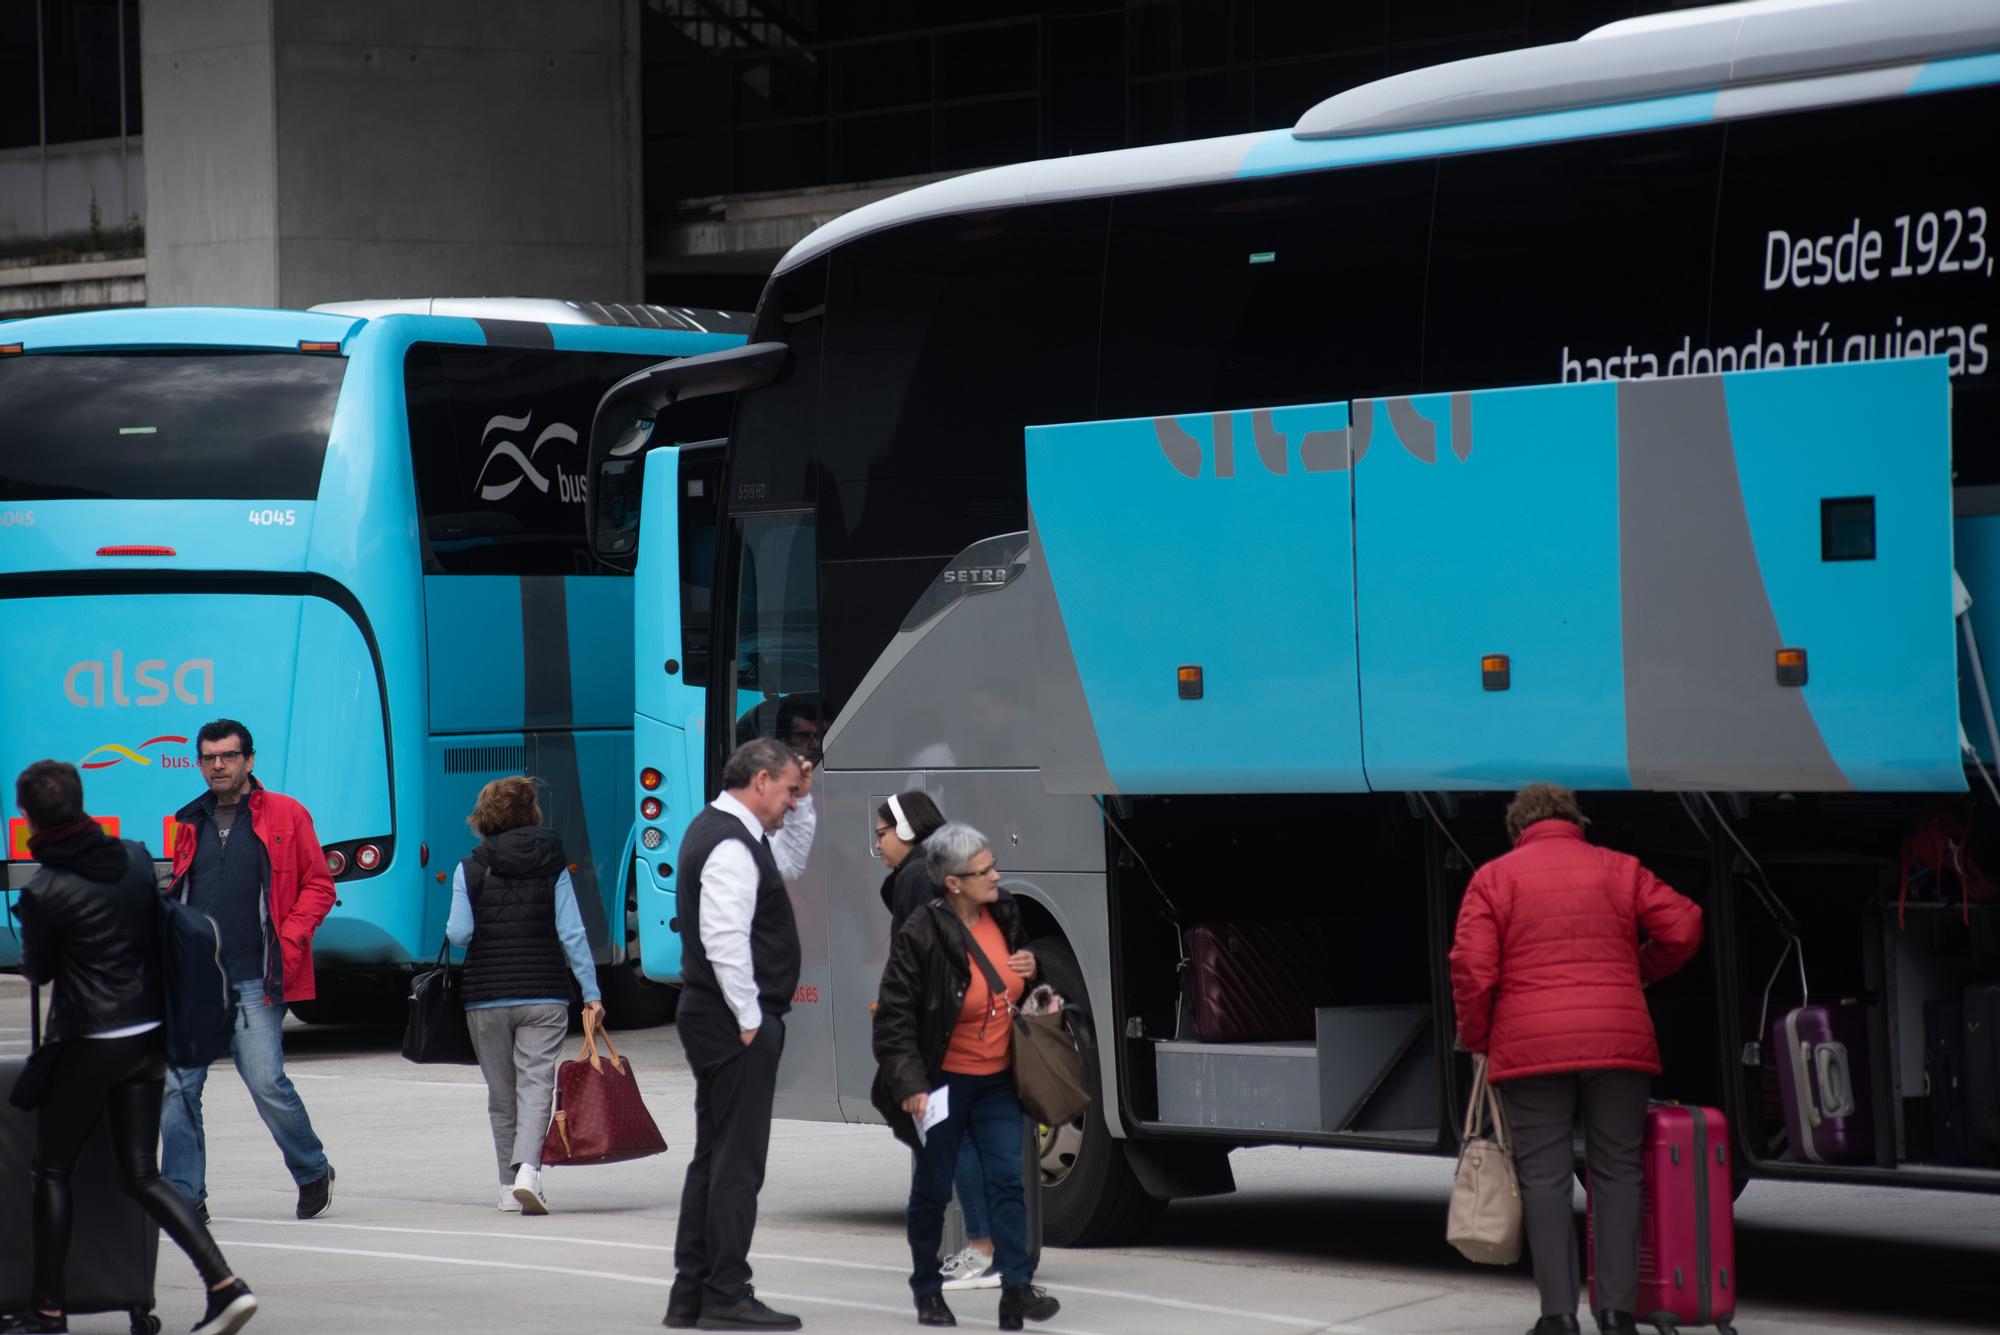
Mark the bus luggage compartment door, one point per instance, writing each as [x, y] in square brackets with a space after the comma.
[1738, 581]
[1194, 619]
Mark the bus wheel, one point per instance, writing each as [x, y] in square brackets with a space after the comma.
[1090, 1195]
[632, 1000]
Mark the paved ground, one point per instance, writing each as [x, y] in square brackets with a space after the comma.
[1313, 1241]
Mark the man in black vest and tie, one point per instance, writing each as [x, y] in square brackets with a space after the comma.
[739, 967]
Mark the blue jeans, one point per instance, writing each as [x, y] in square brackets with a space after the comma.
[969, 1184]
[986, 1115]
[259, 1052]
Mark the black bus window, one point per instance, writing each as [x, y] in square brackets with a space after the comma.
[777, 627]
[1577, 261]
[700, 498]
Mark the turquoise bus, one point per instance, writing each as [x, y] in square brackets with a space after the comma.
[1226, 528]
[359, 530]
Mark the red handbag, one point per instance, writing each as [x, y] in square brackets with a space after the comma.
[599, 1117]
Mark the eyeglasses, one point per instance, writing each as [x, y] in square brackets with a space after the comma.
[991, 869]
[883, 832]
[221, 757]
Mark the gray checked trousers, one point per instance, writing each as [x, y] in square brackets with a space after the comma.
[519, 1048]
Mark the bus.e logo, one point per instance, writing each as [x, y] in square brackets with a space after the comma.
[85, 681]
[569, 487]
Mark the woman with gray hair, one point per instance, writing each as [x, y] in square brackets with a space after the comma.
[941, 1027]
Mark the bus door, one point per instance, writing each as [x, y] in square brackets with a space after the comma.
[1200, 631]
[672, 581]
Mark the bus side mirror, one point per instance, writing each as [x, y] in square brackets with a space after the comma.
[615, 493]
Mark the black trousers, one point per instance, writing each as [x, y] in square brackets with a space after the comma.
[122, 1078]
[734, 1087]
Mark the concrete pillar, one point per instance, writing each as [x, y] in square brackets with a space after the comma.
[299, 152]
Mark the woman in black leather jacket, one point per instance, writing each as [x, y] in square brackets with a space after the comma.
[942, 1027]
[90, 926]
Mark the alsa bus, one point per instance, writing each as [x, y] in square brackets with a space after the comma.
[360, 531]
[1226, 528]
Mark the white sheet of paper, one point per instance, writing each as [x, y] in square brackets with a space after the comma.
[936, 1108]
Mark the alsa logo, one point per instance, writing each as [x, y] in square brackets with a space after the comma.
[569, 487]
[119, 754]
[84, 683]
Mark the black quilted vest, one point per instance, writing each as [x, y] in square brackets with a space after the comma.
[774, 933]
[515, 951]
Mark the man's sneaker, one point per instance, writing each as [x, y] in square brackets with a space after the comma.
[32, 1322]
[316, 1197]
[969, 1269]
[229, 1308]
[508, 1205]
[746, 1313]
[528, 1191]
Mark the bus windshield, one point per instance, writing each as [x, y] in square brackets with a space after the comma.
[207, 425]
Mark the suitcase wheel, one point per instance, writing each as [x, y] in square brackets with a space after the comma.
[1724, 1328]
[144, 1322]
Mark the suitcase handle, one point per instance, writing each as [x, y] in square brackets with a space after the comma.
[1753, 1051]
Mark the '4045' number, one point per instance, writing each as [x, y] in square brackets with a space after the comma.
[281, 518]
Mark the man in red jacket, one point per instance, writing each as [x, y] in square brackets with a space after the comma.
[1555, 940]
[249, 858]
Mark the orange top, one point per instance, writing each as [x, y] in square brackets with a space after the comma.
[979, 1041]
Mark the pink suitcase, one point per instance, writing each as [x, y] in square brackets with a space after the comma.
[1687, 1222]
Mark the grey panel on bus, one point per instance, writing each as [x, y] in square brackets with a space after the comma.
[1702, 705]
[955, 691]
[1239, 1086]
[1721, 48]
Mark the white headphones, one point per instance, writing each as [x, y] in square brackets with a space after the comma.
[904, 830]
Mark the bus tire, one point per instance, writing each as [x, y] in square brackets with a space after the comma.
[1090, 1195]
[632, 1000]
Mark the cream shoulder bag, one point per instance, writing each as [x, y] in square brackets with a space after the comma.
[1485, 1219]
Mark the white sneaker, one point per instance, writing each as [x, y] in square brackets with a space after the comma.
[508, 1205]
[969, 1269]
[528, 1191]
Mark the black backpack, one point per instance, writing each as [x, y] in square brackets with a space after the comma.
[201, 1005]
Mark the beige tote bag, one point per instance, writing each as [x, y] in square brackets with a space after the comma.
[1485, 1219]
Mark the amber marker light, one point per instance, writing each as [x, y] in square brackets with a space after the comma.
[1496, 673]
[1791, 667]
[1188, 680]
[310, 345]
[649, 778]
[12, 349]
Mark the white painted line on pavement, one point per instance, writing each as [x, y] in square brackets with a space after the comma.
[650, 1281]
[392, 1080]
[1179, 1304]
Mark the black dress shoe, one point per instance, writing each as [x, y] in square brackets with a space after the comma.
[746, 1313]
[680, 1318]
[931, 1311]
[1025, 1301]
[683, 1304]
[1616, 1323]
[1556, 1325]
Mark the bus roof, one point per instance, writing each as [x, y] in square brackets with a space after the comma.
[552, 310]
[179, 327]
[1683, 68]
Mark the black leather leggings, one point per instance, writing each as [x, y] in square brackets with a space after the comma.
[123, 1077]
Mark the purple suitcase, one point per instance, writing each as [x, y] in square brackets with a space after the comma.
[1822, 1054]
[1257, 981]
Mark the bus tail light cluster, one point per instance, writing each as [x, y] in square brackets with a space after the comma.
[357, 859]
[651, 808]
[650, 779]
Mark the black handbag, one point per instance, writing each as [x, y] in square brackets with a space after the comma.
[436, 1033]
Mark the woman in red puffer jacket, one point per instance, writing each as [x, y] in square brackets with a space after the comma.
[1555, 940]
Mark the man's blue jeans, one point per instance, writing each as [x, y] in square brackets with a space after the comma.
[986, 1112]
[259, 1052]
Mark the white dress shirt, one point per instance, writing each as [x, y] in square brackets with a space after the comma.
[729, 899]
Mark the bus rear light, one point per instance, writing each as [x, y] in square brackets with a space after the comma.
[357, 859]
[336, 862]
[651, 808]
[136, 549]
[651, 837]
[313, 345]
[649, 778]
[368, 857]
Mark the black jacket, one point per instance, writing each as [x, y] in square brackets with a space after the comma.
[515, 952]
[907, 889]
[923, 990]
[90, 925]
